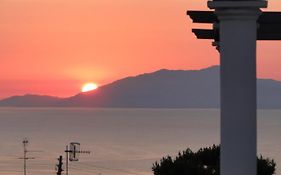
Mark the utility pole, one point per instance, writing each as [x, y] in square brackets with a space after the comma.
[25, 142]
[67, 152]
[59, 166]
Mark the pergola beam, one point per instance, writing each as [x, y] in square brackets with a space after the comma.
[214, 35]
[202, 16]
[273, 18]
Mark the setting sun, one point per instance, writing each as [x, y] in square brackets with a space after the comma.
[89, 87]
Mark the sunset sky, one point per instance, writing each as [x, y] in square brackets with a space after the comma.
[53, 47]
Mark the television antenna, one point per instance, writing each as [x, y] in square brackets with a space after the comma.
[72, 153]
[25, 157]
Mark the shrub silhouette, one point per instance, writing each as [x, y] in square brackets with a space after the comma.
[203, 162]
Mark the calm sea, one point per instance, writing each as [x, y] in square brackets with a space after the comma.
[121, 141]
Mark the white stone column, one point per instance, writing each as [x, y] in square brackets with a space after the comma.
[238, 32]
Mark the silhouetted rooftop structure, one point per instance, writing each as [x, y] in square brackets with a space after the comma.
[269, 25]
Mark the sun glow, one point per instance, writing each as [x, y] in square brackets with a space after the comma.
[89, 87]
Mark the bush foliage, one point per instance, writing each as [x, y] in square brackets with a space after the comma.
[203, 162]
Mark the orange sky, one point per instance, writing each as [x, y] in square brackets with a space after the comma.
[54, 46]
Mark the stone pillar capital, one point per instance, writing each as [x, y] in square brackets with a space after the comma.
[237, 10]
[238, 14]
[237, 4]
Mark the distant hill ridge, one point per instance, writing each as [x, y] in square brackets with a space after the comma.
[160, 89]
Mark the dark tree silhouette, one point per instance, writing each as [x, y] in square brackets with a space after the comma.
[203, 162]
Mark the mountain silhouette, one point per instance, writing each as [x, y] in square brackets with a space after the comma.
[160, 89]
[30, 100]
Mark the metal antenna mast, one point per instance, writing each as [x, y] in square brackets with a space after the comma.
[25, 143]
[72, 153]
